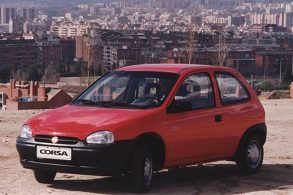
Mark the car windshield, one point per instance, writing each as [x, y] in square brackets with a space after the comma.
[129, 89]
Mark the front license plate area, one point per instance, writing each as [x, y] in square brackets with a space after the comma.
[56, 153]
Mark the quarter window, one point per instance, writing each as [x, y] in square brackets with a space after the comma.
[231, 89]
[197, 90]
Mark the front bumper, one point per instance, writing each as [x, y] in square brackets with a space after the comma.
[86, 158]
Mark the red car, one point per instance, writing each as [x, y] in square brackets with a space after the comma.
[143, 118]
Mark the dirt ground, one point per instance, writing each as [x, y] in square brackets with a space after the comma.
[276, 176]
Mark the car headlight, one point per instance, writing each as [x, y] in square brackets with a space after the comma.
[100, 137]
[25, 132]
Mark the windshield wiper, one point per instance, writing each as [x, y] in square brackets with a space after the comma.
[85, 101]
[110, 104]
[90, 102]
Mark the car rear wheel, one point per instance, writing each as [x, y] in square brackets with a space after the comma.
[141, 172]
[250, 156]
[43, 176]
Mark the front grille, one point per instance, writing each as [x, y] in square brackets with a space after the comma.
[61, 139]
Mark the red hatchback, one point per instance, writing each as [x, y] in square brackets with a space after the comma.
[142, 118]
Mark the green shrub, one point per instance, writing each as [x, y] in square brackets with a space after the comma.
[265, 86]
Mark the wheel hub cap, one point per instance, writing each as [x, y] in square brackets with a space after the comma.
[148, 169]
[254, 154]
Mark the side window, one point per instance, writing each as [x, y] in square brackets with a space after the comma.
[231, 89]
[197, 90]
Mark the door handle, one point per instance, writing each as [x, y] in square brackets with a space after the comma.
[218, 118]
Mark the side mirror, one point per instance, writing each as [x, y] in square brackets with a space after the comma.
[179, 106]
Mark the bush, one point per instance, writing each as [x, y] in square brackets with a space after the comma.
[268, 86]
[285, 86]
[265, 86]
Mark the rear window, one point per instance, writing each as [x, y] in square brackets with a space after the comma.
[231, 89]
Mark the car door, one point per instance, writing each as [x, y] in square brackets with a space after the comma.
[238, 111]
[194, 135]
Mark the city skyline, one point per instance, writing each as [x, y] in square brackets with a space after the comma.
[94, 38]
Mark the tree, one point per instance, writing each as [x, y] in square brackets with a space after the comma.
[99, 71]
[5, 73]
[27, 72]
[51, 75]
[20, 75]
[90, 63]
[222, 51]
[287, 78]
[32, 73]
[93, 65]
[190, 44]
[78, 67]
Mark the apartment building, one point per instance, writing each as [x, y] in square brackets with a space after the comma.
[7, 13]
[70, 29]
[18, 52]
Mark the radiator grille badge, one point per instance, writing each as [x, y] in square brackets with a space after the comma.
[54, 140]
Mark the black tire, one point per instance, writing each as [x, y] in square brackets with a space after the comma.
[141, 170]
[46, 177]
[250, 155]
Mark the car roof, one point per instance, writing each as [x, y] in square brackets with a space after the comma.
[172, 68]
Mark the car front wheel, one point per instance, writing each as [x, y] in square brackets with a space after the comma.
[250, 156]
[141, 172]
[46, 177]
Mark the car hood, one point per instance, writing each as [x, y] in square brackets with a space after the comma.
[81, 121]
